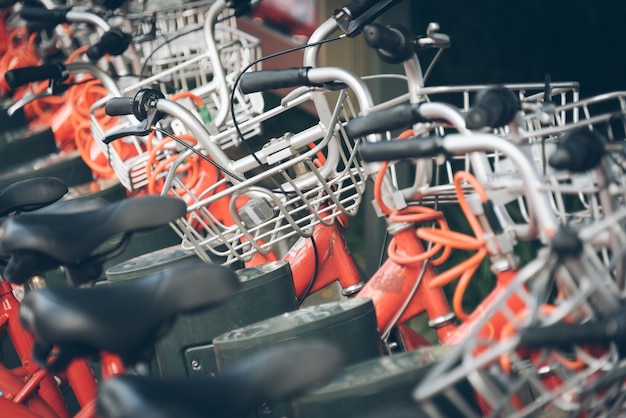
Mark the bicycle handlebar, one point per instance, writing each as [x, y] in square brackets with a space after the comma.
[274, 79]
[113, 42]
[357, 7]
[41, 14]
[459, 144]
[494, 107]
[397, 150]
[393, 43]
[604, 331]
[578, 150]
[51, 17]
[396, 117]
[119, 106]
[21, 76]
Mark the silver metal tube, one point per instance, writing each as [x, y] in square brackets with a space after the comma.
[218, 71]
[107, 81]
[86, 17]
[542, 214]
[354, 82]
[322, 32]
[197, 129]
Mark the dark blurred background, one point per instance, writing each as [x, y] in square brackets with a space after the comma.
[496, 41]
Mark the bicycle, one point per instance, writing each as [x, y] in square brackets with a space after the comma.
[39, 241]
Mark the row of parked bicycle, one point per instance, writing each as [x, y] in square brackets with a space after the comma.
[190, 235]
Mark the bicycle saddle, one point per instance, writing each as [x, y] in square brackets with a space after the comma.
[122, 318]
[277, 373]
[51, 238]
[31, 194]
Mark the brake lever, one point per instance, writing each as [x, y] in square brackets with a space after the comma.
[55, 88]
[144, 109]
[433, 38]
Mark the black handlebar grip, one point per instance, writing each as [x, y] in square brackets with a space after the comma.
[402, 149]
[21, 76]
[566, 243]
[564, 335]
[380, 36]
[110, 4]
[42, 14]
[357, 7]
[393, 43]
[579, 150]
[494, 107]
[119, 106]
[256, 81]
[113, 42]
[7, 3]
[396, 117]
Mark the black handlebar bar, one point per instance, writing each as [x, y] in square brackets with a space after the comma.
[113, 42]
[21, 76]
[402, 149]
[119, 106]
[396, 117]
[494, 107]
[50, 17]
[256, 81]
[578, 150]
[564, 335]
[357, 7]
[393, 43]
[143, 105]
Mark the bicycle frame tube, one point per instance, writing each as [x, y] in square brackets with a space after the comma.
[332, 262]
[15, 410]
[82, 381]
[393, 283]
[79, 374]
[34, 406]
[497, 321]
[23, 343]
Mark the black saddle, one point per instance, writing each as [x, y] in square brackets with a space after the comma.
[31, 194]
[67, 234]
[277, 373]
[123, 318]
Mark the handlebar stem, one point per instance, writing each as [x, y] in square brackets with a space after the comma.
[88, 17]
[218, 70]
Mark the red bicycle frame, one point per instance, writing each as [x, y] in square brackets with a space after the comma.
[30, 391]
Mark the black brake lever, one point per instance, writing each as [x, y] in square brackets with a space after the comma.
[143, 107]
[55, 88]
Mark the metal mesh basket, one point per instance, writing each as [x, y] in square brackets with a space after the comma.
[173, 41]
[303, 179]
[438, 187]
[576, 197]
[510, 380]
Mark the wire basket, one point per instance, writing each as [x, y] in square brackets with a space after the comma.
[576, 197]
[510, 380]
[437, 187]
[294, 182]
[179, 59]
